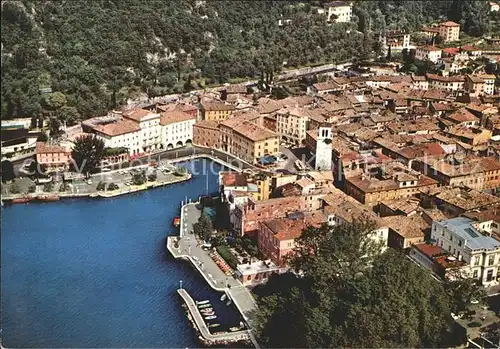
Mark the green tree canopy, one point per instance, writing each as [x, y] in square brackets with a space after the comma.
[87, 154]
[350, 295]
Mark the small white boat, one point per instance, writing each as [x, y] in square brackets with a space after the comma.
[223, 297]
[229, 302]
[206, 310]
[202, 306]
[210, 317]
[203, 302]
[209, 313]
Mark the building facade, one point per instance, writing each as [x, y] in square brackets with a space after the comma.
[460, 237]
[177, 128]
[449, 31]
[52, 157]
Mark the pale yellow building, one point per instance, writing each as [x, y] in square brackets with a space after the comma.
[216, 110]
[250, 142]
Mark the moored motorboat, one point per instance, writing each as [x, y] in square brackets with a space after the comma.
[234, 329]
[202, 306]
[177, 222]
[210, 317]
[210, 313]
[203, 302]
[48, 198]
[223, 297]
[206, 310]
[22, 200]
[213, 325]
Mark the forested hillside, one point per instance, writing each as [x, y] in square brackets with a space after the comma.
[95, 54]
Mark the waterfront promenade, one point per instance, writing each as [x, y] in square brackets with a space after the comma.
[186, 246]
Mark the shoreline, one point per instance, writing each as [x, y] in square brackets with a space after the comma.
[101, 195]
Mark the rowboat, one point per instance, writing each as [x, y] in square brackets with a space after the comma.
[210, 317]
[206, 310]
[203, 302]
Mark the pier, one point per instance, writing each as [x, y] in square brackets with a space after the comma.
[185, 246]
[208, 338]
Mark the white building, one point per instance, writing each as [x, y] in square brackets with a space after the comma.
[340, 11]
[428, 53]
[324, 149]
[177, 129]
[121, 133]
[461, 238]
[150, 128]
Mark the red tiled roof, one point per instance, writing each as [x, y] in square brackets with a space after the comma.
[429, 250]
[44, 148]
[449, 24]
[171, 117]
[136, 114]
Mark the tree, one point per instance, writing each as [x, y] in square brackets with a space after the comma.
[203, 228]
[222, 215]
[7, 171]
[54, 126]
[348, 294]
[42, 137]
[87, 154]
[462, 291]
[48, 187]
[14, 188]
[139, 178]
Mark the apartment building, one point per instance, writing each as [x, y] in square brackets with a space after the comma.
[391, 181]
[397, 40]
[150, 129]
[447, 83]
[276, 237]
[251, 142]
[206, 133]
[338, 11]
[120, 134]
[256, 186]
[461, 237]
[449, 31]
[292, 124]
[216, 110]
[478, 85]
[428, 53]
[177, 128]
[480, 173]
[52, 157]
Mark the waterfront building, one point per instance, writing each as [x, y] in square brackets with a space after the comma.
[150, 128]
[120, 133]
[276, 237]
[206, 133]
[52, 157]
[251, 274]
[177, 128]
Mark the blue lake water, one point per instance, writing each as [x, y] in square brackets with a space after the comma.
[95, 273]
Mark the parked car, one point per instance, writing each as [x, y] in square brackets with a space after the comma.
[105, 169]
